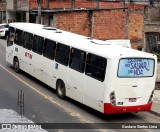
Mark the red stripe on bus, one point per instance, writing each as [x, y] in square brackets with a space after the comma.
[111, 109]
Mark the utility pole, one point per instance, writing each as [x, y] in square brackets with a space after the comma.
[73, 4]
[39, 10]
[97, 4]
[124, 3]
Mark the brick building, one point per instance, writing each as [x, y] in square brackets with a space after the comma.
[2, 11]
[152, 29]
[99, 19]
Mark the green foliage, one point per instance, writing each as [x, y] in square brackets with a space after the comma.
[157, 54]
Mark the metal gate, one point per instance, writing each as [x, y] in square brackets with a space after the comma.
[152, 40]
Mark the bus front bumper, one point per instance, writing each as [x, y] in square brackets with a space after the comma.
[112, 109]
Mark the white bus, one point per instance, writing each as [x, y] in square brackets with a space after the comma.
[105, 77]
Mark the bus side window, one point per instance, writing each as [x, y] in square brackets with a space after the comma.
[96, 67]
[77, 60]
[10, 36]
[49, 49]
[28, 40]
[62, 54]
[38, 44]
[18, 37]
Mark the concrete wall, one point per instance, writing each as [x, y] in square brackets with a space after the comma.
[2, 12]
[11, 16]
[10, 4]
[158, 73]
[23, 5]
[2, 6]
[151, 28]
[152, 13]
[77, 4]
[152, 19]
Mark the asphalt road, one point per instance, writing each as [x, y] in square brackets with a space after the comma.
[41, 104]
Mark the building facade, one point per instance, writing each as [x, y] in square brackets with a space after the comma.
[152, 29]
[100, 19]
[17, 10]
[2, 11]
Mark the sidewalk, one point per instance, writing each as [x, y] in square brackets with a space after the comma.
[11, 121]
[156, 96]
[156, 103]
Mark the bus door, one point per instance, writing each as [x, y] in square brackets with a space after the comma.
[10, 48]
[48, 62]
[27, 57]
[76, 74]
[46, 66]
[94, 81]
[37, 59]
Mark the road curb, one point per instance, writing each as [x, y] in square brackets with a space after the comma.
[155, 113]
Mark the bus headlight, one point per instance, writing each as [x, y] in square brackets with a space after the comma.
[113, 98]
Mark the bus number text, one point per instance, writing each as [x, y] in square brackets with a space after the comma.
[28, 55]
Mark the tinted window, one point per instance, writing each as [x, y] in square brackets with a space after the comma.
[18, 37]
[49, 48]
[11, 29]
[11, 36]
[28, 40]
[77, 60]
[4, 26]
[96, 67]
[38, 44]
[62, 54]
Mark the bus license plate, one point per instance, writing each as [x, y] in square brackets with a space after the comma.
[132, 99]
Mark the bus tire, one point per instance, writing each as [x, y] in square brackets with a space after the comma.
[16, 65]
[61, 90]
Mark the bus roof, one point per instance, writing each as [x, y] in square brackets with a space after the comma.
[120, 42]
[99, 47]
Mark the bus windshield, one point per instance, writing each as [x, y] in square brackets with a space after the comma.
[136, 67]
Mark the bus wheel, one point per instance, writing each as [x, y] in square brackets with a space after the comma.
[16, 65]
[60, 88]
